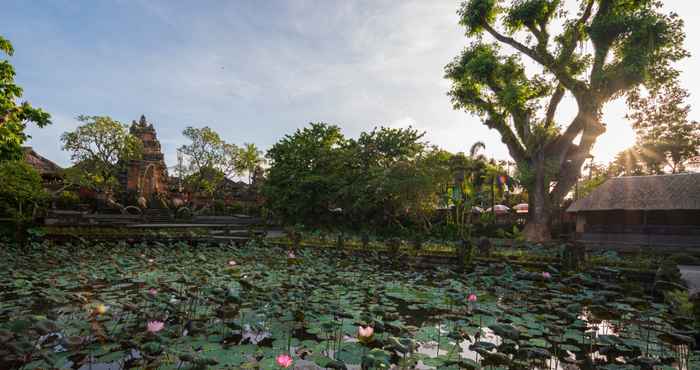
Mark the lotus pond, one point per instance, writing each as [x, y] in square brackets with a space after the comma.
[114, 306]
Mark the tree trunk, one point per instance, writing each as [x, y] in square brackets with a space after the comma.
[537, 227]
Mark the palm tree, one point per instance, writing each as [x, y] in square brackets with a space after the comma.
[477, 165]
[474, 150]
[249, 158]
[469, 174]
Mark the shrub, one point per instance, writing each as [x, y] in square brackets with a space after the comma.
[21, 191]
[67, 200]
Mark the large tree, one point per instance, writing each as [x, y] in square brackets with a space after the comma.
[607, 49]
[14, 117]
[99, 147]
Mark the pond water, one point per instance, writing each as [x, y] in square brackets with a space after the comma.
[88, 306]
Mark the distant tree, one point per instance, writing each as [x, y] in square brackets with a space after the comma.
[306, 174]
[14, 117]
[205, 181]
[249, 158]
[627, 163]
[389, 179]
[385, 146]
[210, 159]
[666, 139]
[99, 147]
[609, 48]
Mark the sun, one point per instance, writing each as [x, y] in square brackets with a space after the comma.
[619, 134]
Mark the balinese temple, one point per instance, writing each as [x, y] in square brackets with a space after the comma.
[49, 171]
[148, 175]
[641, 211]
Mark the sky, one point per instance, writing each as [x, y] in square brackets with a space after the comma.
[257, 70]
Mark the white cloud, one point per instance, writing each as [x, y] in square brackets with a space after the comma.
[257, 71]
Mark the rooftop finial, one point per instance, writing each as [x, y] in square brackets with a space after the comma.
[142, 120]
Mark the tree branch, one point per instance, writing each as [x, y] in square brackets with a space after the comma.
[554, 104]
[568, 49]
[515, 44]
[516, 150]
[541, 56]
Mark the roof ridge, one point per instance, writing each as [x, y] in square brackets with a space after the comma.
[656, 175]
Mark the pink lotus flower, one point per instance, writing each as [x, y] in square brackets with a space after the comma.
[155, 326]
[232, 263]
[472, 298]
[291, 255]
[151, 260]
[365, 332]
[284, 360]
[153, 291]
[546, 275]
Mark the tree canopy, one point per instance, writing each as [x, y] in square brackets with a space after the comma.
[99, 147]
[14, 116]
[387, 180]
[210, 159]
[666, 138]
[305, 174]
[249, 158]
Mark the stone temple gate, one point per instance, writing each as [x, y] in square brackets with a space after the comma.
[148, 175]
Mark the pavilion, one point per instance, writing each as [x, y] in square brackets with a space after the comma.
[655, 211]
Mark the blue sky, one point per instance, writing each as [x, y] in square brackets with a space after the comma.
[257, 70]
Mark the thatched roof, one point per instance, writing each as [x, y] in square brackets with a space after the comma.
[661, 192]
[41, 164]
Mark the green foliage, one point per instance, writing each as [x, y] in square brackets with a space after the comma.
[530, 14]
[14, 116]
[211, 159]
[249, 158]
[67, 200]
[513, 233]
[666, 139]
[21, 191]
[386, 180]
[206, 181]
[474, 14]
[481, 70]
[679, 300]
[99, 147]
[306, 174]
[395, 180]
